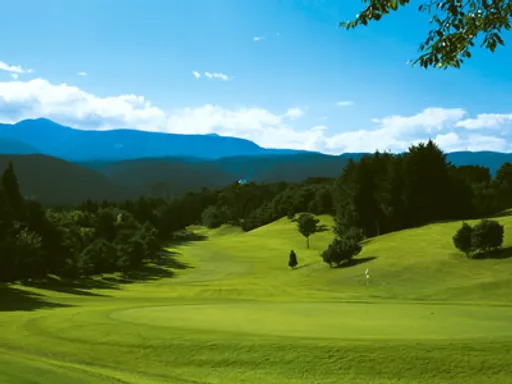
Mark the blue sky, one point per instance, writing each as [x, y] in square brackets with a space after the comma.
[281, 90]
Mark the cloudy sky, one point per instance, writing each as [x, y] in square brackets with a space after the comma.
[278, 72]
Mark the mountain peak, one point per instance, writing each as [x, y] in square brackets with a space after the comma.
[123, 144]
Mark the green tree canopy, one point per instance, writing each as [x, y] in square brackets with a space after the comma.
[307, 224]
[456, 25]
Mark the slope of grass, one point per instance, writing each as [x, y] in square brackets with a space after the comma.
[233, 312]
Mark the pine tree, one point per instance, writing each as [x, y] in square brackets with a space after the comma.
[292, 262]
[12, 191]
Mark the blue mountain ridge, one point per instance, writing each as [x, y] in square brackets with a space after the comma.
[46, 137]
[72, 144]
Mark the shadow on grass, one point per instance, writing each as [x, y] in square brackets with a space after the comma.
[505, 213]
[303, 265]
[502, 253]
[161, 269]
[80, 287]
[354, 262]
[322, 228]
[15, 299]
[186, 237]
[152, 272]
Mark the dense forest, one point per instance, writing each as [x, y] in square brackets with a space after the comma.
[379, 193]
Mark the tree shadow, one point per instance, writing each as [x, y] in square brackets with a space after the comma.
[303, 265]
[168, 259]
[354, 262]
[162, 268]
[185, 237]
[322, 228]
[15, 299]
[498, 254]
[80, 287]
[505, 213]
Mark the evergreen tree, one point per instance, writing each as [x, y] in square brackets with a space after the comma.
[12, 192]
[292, 261]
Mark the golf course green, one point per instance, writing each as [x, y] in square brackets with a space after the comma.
[226, 308]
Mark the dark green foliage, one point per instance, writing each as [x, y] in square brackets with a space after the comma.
[307, 225]
[343, 249]
[462, 239]
[457, 26]
[211, 217]
[487, 236]
[378, 193]
[292, 261]
[99, 238]
[384, 192]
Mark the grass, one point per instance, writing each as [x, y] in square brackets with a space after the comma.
[227, 309]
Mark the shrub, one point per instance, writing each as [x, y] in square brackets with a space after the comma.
[487, 235]
[483, 237]
[463, 239]
[211, 217]
[342, 250]
[292, 261]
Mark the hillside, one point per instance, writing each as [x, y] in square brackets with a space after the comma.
[54, 181]
[166, 177]
[15, 147]
[267, 323]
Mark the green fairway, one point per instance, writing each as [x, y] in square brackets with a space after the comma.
[233, 312]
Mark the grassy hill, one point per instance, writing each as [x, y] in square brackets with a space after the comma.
[226, 309]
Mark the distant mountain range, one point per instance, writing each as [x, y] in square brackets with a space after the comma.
[47, 137]
[59, 165]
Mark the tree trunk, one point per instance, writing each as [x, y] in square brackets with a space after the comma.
[307, 241]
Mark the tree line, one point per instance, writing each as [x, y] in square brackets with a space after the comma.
[384, 192]
[379, 193]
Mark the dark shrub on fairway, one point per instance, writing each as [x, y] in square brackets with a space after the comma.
[343, 249]
[487, 235]
[292, 261]
[483, 237]
[462, 239]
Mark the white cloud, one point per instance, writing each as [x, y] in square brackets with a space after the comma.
[15, 76]
[294, 113]
[486, 120]
[487, 143]
[344, 103]
[212, 75]
[428, 120]
[14, 68]
[82, 73]
[216, 75]
[72, 106]
[449, 142]
[258, 38]
[395, 133]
